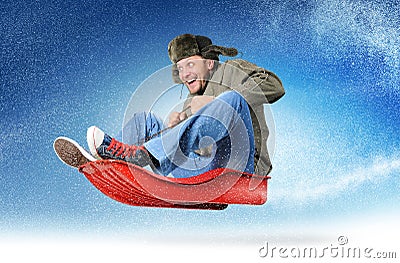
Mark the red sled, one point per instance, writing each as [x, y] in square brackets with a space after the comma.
[213, 190]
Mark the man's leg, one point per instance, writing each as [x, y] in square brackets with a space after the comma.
[139, 128]
[224, 124]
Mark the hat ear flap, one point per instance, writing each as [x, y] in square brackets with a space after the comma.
[175, 75]
[225, 51]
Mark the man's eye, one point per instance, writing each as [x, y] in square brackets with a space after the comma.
[191, 65]
[180, 68]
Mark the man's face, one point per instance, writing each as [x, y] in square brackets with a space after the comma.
[194, 72]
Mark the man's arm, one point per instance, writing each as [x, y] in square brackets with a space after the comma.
[256, 84]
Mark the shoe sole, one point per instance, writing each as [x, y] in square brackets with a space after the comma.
[71, 153]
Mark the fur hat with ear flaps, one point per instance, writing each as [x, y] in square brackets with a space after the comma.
[188, 45]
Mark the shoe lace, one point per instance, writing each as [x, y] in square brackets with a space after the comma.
[122, 149]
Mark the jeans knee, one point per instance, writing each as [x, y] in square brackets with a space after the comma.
[232, 97]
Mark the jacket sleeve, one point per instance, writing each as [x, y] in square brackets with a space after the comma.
[256, 84]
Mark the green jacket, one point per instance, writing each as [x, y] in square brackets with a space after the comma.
[258, 86]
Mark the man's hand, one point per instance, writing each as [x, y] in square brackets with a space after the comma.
[198, 102]
[176, 117]
[195, 105]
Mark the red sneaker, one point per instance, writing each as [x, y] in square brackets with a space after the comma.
[103, 146]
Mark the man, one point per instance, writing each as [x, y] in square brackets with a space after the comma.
[225, 106]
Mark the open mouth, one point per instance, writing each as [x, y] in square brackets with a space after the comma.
[190, 82]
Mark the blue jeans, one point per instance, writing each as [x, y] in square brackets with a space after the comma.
[222, 129]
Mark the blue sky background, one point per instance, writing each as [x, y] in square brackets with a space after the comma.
[67, 65]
